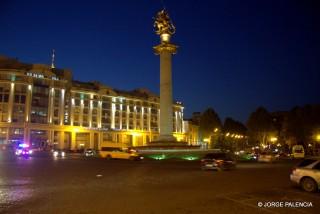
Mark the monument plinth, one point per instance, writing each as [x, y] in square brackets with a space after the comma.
[165, 29]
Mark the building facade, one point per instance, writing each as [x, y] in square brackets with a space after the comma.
[45, 107]
[192, 132]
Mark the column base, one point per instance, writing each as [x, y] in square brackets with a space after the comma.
[166, 138]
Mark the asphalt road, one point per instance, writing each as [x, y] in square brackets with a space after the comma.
[76, 184]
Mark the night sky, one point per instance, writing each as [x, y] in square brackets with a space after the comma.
[234, 55]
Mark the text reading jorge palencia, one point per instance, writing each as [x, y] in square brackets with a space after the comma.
[288, 204]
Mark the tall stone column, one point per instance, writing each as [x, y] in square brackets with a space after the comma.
[165, 50]
[73, 141]
[61, 107]
[11, 102]
[165, 29]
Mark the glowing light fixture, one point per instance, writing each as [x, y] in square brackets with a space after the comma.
[273, 139]
[76, 129]
[190, 157]
[158, 157]
[136, 134]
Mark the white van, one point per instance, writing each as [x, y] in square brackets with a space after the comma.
[297, 151]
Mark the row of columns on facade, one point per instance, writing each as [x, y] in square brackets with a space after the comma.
[99, 112]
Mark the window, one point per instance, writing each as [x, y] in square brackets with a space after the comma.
[106, 105]
[77, 102]
[306, 162]
[20, 99]
[5, 98]
[56, 113]
[95, 104]
[317, 166]
[107, 137]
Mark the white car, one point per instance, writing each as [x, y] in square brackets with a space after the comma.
[307, 174]
[118, 153]
[58, 153]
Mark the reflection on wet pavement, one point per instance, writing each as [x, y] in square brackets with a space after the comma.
[14, 191]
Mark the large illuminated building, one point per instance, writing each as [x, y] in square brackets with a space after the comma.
[44, 106]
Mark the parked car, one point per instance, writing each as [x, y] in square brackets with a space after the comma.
[267, 157]
[119, 153]
[307, 174]
[89, 152]
[58, 153]
[217, 161]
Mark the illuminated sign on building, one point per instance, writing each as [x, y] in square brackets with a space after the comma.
[30, 74]
[35, 75]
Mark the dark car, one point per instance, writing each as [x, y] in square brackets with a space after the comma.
[217, 161]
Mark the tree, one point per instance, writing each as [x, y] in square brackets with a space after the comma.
[232, 126]
[233, 134]
[259, 126]
[209, 121]
[302, 123]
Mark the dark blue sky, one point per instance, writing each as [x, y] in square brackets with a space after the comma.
[234, 55]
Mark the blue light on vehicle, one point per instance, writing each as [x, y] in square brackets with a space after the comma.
[23, 145]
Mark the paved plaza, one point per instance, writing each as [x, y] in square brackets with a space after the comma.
[75, 184]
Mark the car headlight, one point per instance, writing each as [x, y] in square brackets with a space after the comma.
[55, 153]
[63, 154]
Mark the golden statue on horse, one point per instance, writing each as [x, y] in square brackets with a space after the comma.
[163, 24]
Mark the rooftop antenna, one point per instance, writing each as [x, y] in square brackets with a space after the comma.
[52, 59]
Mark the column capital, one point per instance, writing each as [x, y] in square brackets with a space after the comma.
[165, 47]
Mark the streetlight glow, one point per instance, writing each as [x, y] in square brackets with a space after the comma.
[273, 139]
